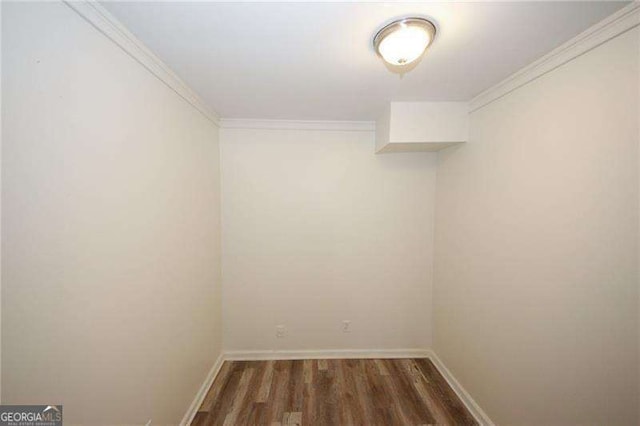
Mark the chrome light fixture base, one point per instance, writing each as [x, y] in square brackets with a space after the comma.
[420, 26]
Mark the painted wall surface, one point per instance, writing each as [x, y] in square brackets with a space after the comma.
[0, 210]
[535, 294]
[110, 219]
[317, 230]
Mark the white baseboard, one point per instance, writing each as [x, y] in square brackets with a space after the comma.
[202, 392]
[326, 354]
[464, 396]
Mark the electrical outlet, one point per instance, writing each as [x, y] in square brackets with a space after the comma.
[346, 326]
[279, 331]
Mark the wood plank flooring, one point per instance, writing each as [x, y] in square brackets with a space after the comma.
[331, 392]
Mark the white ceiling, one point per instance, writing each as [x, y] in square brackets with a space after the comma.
[314, 61]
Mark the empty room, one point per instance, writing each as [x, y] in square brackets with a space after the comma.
[320, 213]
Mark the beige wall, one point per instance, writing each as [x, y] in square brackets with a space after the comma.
[537, 247]
[317, 230]
[0, 207]
[110, 218]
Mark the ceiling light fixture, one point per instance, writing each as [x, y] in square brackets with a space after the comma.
[404, 40]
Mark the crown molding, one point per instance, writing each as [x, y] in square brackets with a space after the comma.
[623, 20]
[618, 23]
[110, 27]
[353, 126]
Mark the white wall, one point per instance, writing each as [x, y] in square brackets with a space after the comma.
[110, 219]
[0, 207]
[317, 230]
[536, 266]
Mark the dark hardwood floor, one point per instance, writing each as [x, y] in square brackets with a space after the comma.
[332, 392]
